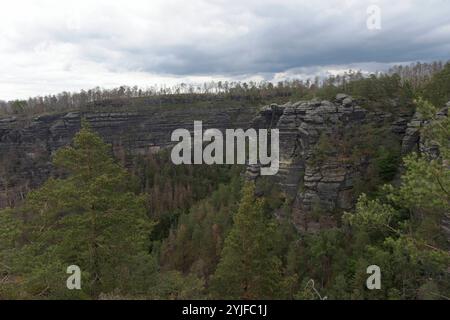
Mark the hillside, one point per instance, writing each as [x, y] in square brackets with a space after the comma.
[363, 180]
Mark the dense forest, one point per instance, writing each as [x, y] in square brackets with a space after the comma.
[377, 85]
[153, 230]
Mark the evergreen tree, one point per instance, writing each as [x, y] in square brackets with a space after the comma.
[91, 218]
[412, 249]
[437, 91]
[248, 268]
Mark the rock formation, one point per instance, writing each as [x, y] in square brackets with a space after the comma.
[414, 142]
[320, 188]
[317, 187]
[26, 146]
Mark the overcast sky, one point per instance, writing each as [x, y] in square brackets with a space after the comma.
[52, 46]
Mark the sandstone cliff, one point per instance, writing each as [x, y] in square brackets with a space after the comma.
[26, 146]
[321, 188]
[315, 185]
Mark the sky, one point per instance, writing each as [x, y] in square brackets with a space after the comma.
[50, 46]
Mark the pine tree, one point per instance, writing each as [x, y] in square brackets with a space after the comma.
[248, 268]
[91, 218]
[437, 91]
[413, 251]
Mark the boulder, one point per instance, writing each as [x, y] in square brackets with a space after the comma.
[347, 102]
[340, 97]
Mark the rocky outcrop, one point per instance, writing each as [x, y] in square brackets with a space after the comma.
[26, 145]
[411, 139]
[318, 188]
[414, 141]
[321, 188]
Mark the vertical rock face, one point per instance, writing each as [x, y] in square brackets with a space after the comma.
[413, 141]
[26, 146]
[319, 188]
[435, 152]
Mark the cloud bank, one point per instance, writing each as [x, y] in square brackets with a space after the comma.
[50, 46]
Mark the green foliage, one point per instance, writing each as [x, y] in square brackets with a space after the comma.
[426, 182]
[372, 91]
[248, 269]
[437, 91]
[171, 190]
[369, 214]
[19, 106]
[91, 218]
[387, 163]
[323, 150]
[193, 232]
[372, 149]
[375, 89]
[412, 250]
[195, 243]
[400, 231]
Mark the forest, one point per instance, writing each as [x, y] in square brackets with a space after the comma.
[147, 229]
[412, 77]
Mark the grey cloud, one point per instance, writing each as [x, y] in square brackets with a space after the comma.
[287, 39]
[234, 38]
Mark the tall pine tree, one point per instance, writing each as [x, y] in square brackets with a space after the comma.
[248, 268]
[91, 218]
